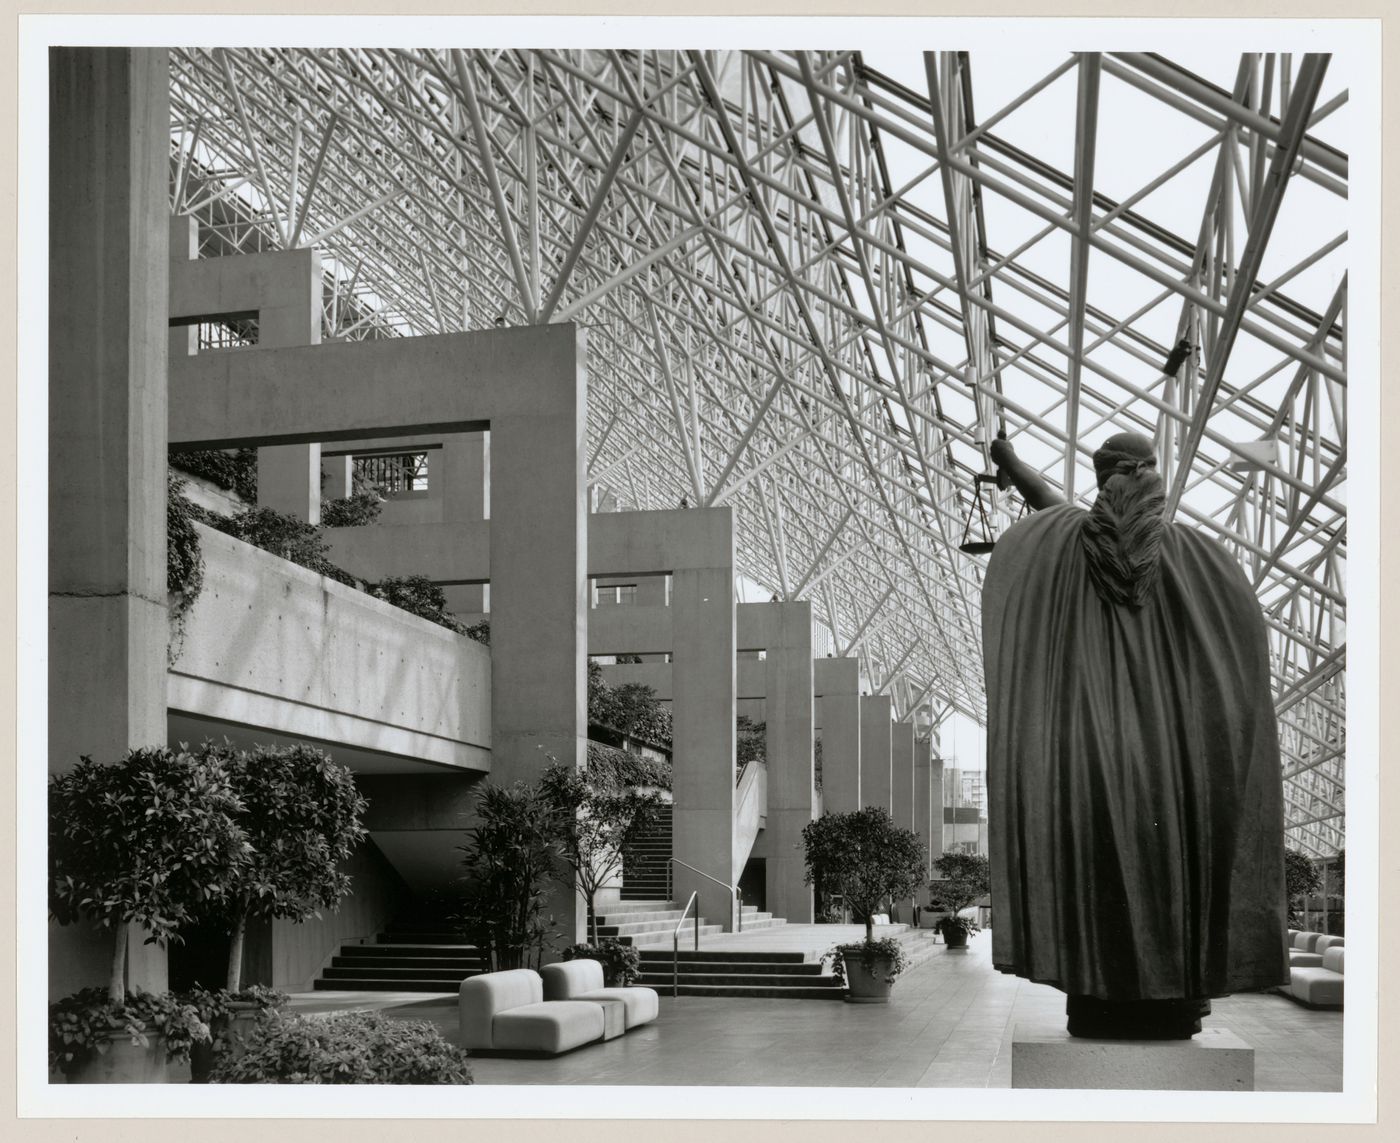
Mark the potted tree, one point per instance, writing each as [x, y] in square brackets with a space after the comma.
[509, 860]
[596, 821]
[148, 842]
[301, 815]
[965, 878]
[866, 859]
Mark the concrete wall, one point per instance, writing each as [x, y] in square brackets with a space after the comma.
[290, 956]
[875, 751]
[273, 645]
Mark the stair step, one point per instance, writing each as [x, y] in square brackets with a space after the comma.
[662, 965]
[747, 979]
[424, 962]
[372, 984]
[728, 956]
[405, 974]
[756, 992]
[639, 916]
[382, 949]
[662, 940]
[444, 937]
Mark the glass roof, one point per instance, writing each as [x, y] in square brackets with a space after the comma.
[817, 284]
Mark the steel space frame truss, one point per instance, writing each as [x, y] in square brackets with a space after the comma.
[796, 306]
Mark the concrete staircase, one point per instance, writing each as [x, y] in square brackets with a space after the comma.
[644, 864]
[415, 954]
[650, 924]
[772, 975]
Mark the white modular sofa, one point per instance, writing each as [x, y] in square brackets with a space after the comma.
[507, 1012]
[583, 980]
[1321, 986]
[1308, 948]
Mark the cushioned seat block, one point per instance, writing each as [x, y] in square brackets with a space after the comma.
[1304, 942]
[640, 1004]
[481, 998]
[550, 1026]
[1298, 959]
[1322, 986]
[583, 980]
[1326, 942]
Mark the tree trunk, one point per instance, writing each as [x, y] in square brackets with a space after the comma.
[869, 927]
[116, 984]
[235, 952]
[592, 923]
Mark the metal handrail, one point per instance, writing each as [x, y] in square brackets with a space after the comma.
[736, 895]
[676, 943]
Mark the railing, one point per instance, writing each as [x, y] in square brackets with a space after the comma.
[736, 895]
[676, 943]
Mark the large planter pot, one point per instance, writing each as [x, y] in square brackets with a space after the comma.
[125, 1062]
[863, 987]
[954, 938]
[226, 1038]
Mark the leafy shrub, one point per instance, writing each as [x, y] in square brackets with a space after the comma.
[84, 1024]
[622, 964]
[481, 632]
[301, 816]
[865, 857]
[347, 1047]
[417, 595]
[234, 470]
[283, 535]
[184, 562]
[151, 840]
[594, 826]
[351, 511]
[750, 740]
[967, 876]
[868, 953]
[1301, 880]
[609, 766]
[509, 859]
[632, 709]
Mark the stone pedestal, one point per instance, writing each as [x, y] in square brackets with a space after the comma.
[1047, 1056]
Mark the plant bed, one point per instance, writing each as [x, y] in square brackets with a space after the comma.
[344, 1048]
[230, 1017]
[95, 1040]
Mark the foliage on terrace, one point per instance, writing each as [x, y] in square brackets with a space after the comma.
[609, 766]
[234, 470]
[631, 709]
[419, 596]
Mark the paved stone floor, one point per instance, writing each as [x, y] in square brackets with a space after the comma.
[948, 1024]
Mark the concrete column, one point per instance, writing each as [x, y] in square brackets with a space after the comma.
[902, 774]
[289, 476]
[875, 767]
[337, 477]
[788, 670]
[109, 143]
[539, 597]
[703, 679]
[923, 809]
[935, 787]
[837, 684]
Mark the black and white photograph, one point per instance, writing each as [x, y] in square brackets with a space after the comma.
[659, 574]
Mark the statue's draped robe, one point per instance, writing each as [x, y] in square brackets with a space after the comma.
[1136, 802]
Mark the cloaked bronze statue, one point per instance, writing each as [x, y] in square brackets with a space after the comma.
[1136, 801]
